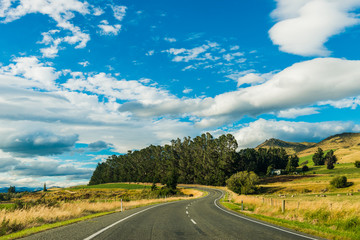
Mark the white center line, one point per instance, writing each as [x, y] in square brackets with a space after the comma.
[187, 212]
[193, 221]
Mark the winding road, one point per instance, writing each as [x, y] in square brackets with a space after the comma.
[201, 218]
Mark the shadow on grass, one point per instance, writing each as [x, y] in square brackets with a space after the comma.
[284, 178]
[268, 190]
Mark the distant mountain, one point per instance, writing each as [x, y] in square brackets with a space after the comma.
[21, 189]
[290, 147]
[347, 146]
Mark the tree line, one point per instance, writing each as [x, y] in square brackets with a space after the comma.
[202, 160]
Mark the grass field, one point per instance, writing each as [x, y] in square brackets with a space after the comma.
[112, 185]
[43, 208]
[312, 204]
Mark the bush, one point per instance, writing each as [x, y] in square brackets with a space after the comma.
[305, 168]
[339, 182]
[357, 164]
[243, 182]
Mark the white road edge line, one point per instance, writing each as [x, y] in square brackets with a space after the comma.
[193, 221]
[110, 226]
[251, 220]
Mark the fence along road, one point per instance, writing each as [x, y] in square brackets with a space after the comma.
[201, 218]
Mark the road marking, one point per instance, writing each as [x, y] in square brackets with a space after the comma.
[193, 221]
[254, 221]
[110, 226]
[186, 207]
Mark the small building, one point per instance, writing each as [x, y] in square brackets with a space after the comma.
[276, 172]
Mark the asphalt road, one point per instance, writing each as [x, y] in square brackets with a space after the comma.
[200, 218]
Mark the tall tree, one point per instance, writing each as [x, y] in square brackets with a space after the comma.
[330, 159]
[318, 157]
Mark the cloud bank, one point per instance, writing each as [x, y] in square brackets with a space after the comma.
[304, 26]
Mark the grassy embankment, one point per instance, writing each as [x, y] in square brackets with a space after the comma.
[312, 205]
[40, 211]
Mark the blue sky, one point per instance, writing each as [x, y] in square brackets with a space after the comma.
[82, 80]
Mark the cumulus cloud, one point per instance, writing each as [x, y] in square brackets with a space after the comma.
[107, 29]
[296, 112]
[343, 103]
[253, 134]
[186, 55]
[99, 145]
[301, 84]
[119, 12]
[304, 26]
[187, 90]
[61, 11]
[7, 164]
[84, 63]
[168, 39]
[50, 169]
[38, 143]
[39, 74]
[251, 78]
[120, 89]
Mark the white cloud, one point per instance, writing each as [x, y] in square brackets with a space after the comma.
[187, 90]
[170, 39]
[297, 112]
[186, 55]
[109, 86]
[343, 103]
[37, 74]
[84, 63]
[299, 85]
[119, 12]
[253, 134]
[250, 78]
[61, 11]
[305, 25]
[107, 29]
[150, 53]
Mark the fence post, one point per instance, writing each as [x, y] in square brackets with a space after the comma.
[271, 201]
[242, 205]
[121, 206]
[283, 206]
[263, 200]
[298, 205]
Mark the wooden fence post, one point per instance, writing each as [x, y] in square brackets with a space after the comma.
[283, 206]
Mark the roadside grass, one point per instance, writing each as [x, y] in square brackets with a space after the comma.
[7, 206]
[45, 227]
[331, 218]
[111, 185]
[41, 211]
[312, 205]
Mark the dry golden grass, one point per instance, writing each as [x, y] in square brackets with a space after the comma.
[42, 214]
[340, 213]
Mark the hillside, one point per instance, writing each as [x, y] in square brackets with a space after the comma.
[347, 146]
[290, 147]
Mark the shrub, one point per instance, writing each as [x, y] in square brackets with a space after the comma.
[243, 182]
[305, 168]
[339, 182]
[357, 164]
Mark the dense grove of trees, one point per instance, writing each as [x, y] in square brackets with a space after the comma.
[202, 160]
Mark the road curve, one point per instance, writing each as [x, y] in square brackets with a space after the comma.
[201, 218]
